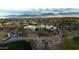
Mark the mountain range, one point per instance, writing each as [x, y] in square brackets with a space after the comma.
[40, 12]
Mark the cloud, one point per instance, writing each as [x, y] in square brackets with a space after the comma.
[24, 4]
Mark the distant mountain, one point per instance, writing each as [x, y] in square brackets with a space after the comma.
[69, 13]
[40, 12]
[45, 14]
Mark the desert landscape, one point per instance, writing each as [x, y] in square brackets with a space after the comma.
[40, 32]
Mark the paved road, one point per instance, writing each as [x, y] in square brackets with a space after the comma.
[39, 44]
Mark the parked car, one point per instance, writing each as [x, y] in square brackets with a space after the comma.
[31, 27]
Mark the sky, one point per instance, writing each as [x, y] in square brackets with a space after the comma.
[6, 6]
[26, 4]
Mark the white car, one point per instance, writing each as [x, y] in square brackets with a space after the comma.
[31, 27]
[50, 27]
[40, 26]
